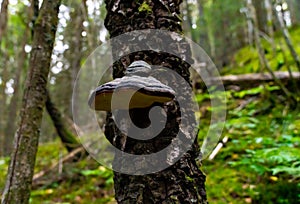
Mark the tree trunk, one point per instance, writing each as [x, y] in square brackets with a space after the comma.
[297, 8]
[67, 138]
[282, 27]
[190, 20]
[72, 37]
[203, 39]
[261, 53]
[19, 178]
[294, 8]
[262, 20]
[3, 25]
[3, 19]
[270, 24]
[182, 182]
[3, 98]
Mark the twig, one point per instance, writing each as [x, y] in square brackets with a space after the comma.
[72, 155]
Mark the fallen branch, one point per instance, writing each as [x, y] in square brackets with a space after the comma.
[252, 80]
[69, 157]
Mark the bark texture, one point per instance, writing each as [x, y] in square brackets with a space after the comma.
[182, 182]
[19, 178]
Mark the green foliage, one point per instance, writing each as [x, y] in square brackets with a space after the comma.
[272, 161]
[255, 91]
[261, 161]
[80, 182]
[144, 7]
[246, 60]
[102, 172]
[3, 170]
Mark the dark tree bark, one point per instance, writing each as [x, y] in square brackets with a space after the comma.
[182, 182]
[19, 178]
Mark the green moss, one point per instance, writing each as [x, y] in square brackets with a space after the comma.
[83, 182]
[144, 7]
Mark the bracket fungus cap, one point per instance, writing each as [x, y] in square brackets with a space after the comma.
[134, 90]
[138, 68]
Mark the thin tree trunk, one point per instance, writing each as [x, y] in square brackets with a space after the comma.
[269, 10]
[3, 18]
[3, 25]
[261, 15]
[294, 7]
[67, 138]
[19, 178]
[262, 58]
[190, 20]
[182, 182]
[294, 82]
[250, 26]
[3, 98]
[74, 55]
[286, 36]
[297, 8]
[203, 39]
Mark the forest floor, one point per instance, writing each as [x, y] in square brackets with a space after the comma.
[259, 164]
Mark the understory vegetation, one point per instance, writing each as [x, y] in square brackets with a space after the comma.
[260, 163]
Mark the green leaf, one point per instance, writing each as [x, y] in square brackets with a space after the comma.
[293, 171]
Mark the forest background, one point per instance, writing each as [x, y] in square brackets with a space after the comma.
[260, 158]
